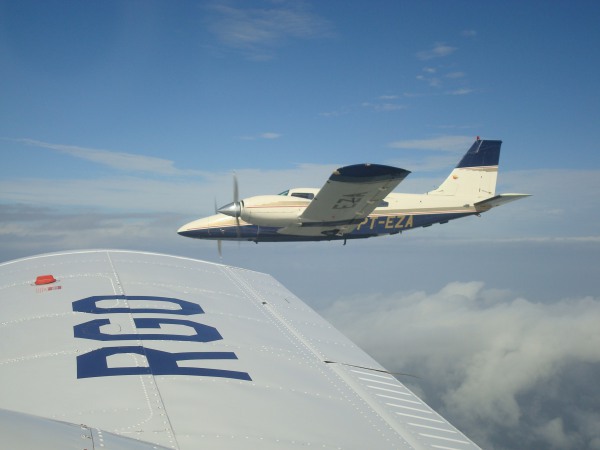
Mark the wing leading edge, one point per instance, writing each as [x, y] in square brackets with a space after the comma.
[188, 354]
[350, 194]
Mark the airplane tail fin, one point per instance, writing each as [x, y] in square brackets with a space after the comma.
[476, 173]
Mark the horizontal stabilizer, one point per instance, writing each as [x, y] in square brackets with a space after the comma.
[498, 200]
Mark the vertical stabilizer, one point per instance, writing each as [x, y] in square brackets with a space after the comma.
[476, 173]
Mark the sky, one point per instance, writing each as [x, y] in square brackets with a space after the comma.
[122, 121]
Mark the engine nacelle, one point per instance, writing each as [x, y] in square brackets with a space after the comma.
[272, 210]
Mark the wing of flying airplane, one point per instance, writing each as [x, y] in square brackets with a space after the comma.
[350, 194]
[128, 350]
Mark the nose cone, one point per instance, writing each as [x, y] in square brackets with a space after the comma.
[218, 226]
[196, 229]
[233, 209]
[186, 229]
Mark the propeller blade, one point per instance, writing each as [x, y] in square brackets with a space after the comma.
[219, 248]
[236, 195]
[236, 201]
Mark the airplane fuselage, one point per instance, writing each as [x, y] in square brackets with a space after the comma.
[357, 202]
[404, 212]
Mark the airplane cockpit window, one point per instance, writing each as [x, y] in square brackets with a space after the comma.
[307, 195]
[284, 193]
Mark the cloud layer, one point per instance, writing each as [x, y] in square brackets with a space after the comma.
[495, 364]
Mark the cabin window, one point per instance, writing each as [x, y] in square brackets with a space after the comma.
[307, 195]
[284, 193]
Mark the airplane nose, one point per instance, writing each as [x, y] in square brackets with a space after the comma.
[233, 209]
[184, 230]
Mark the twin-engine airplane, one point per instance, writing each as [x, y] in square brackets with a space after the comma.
[357, 202]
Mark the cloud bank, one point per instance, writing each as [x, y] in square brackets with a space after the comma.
[496, 365]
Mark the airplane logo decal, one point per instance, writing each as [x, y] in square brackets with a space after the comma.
[349, 200]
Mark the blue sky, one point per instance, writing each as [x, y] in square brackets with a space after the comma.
[121, 121]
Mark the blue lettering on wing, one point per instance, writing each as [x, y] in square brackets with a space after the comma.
[91, 330]
[94, 363]
[88, 305]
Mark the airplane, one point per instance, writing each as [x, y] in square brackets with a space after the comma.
[115, 349]
[357, 202]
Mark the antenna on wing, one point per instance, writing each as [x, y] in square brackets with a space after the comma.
[372, 369]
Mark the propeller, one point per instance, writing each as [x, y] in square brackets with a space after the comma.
[234, 209]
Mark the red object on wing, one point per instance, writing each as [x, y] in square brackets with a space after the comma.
[45, 279]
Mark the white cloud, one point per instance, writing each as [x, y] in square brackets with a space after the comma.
[432, 81]
[419, 165]
[127, 162]
[383, 106]
[187, 196]
[257, 32]
[336, 113]
[444, 143]
[484, 352]
[553, 432]
[439, 50]
[461, 91]
[27, 229]
[268, 135]
[383, 103]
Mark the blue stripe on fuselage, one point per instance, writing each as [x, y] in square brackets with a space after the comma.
[371, 226]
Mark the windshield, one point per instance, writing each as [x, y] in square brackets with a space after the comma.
[284, 192]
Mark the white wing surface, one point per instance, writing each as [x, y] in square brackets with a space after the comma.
[350, 194]
[186, 354]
